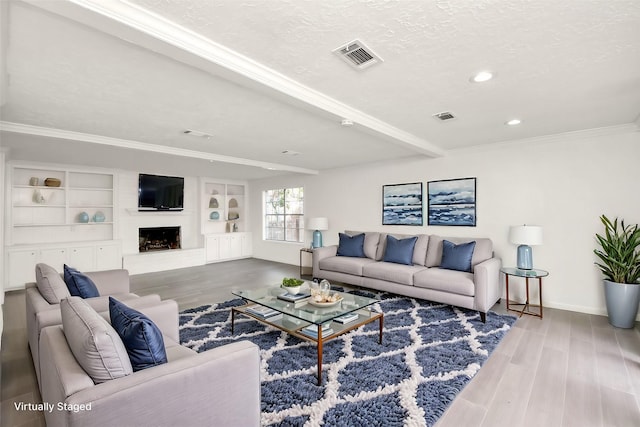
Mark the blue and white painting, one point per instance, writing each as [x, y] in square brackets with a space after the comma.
[402, 204]
[452, 202]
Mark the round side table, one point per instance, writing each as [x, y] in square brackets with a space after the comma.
[534, 273]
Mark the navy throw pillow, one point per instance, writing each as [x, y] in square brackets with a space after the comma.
[141, 337]
[80, 285]
[352, 246]
[457, 257]
[400, 251]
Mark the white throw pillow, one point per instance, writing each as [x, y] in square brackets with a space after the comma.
[94, 343]
[50, 284]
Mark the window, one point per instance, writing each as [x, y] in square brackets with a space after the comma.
[284, 214]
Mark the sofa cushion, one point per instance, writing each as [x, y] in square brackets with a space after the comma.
[347, 265]
[50, 284]
[94, 343]
[392, 272]
[457, 257]
[141, 337]
[451, 281]
[371, 242]
[482, 252]
[400, 251]
[352, 246]
[79, 284]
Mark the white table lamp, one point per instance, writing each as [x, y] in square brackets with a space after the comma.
[318, 225]
[525, 235]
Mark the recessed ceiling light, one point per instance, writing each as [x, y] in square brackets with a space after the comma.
[513, 122]
[481, 77]
[346, 122]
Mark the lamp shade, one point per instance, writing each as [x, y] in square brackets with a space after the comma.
[318, 224]
[525, 235]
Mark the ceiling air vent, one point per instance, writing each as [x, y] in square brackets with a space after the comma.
[357, 55]
[444, 116]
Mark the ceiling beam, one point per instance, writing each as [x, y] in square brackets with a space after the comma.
[146, 29]
[144, 146]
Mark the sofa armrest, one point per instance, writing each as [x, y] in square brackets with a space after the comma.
[111, 282]
[220, 386]
[322, 253]
[486, 276]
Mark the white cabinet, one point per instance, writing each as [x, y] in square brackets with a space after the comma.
[108, 256]
[20, 266]
[212, 247]
[226, 246]
[88, 256]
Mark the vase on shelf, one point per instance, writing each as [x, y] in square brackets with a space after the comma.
[83, 217]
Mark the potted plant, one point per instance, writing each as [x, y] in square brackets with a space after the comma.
[619, 256]
[292, 285]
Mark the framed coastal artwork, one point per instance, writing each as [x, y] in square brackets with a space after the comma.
[452, 202]
[402, 204]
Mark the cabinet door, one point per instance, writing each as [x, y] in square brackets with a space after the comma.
[212, 247]
[236, 246]
[247, 244]
[21, 266]
[82, 258]
[225, 246]
[54, 257]
[108, 257]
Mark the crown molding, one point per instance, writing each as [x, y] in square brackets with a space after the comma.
[161, 33]
[144, 146]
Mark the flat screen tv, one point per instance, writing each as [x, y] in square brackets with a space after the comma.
[160, 193]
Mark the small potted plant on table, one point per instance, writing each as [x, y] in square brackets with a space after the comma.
[292, 285]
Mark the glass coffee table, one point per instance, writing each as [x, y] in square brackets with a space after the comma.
[306, 321]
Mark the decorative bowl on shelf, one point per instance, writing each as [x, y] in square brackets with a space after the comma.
[98, 217]
[83, 217]
[52, 182]
[214, 215]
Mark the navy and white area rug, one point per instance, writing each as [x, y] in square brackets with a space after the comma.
[428, 353]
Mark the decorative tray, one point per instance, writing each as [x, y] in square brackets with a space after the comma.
[324, 304]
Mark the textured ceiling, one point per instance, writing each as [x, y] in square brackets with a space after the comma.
[560, 67]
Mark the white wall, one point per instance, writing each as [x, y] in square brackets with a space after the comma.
[562, 183]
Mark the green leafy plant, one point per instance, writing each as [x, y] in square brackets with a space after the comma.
[620, 251]
[291, 282]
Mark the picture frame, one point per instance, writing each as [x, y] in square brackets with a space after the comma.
[452, 202]
[402, 204]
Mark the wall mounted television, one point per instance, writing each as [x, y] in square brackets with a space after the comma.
[160, 193]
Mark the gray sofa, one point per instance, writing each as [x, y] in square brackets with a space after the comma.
[43, 300]
[217, 387]
[478, 289]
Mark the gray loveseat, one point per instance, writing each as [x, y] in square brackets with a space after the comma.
[219, 387]
[478, 289]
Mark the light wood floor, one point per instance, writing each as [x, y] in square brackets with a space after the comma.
[568, 369]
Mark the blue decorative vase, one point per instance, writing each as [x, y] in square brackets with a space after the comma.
[214, 215]
[83, 217]
[98, 217]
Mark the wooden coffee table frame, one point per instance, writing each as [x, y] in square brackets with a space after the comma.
[364, 317]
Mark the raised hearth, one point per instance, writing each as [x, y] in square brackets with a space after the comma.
[158, 238]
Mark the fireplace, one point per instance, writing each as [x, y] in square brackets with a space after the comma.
[158, 238]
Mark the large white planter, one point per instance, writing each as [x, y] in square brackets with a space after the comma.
[622, 303]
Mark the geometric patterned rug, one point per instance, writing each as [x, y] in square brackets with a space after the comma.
[429, 352]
